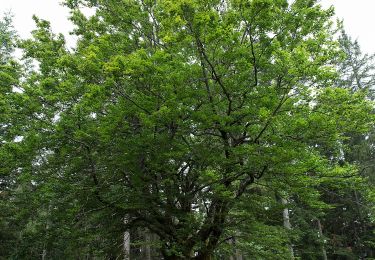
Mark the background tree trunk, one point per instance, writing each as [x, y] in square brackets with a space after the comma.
[324, 252]
[126, 242]
[286, 221]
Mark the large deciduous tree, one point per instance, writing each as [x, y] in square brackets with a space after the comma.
[169, 114]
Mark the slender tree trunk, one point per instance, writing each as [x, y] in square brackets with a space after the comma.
[44, 254]
[126, 242]
[324, 252]
[237, 253]
[155, 254]
[146, 248]
[286, 222]
[286, 218]
[126, 245]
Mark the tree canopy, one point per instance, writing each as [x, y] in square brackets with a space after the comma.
[200, 129]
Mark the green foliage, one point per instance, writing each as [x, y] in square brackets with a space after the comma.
[184, 119]
[349, 225]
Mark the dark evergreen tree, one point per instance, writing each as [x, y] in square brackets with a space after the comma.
[350, 225]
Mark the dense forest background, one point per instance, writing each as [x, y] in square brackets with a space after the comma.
[187, 129]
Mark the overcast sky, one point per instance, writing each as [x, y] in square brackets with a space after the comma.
[359, 17]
